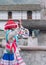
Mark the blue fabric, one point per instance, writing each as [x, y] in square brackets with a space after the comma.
[7, 32]
[8, 56]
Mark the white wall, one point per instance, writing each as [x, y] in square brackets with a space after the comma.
[36, 15]
[24, 14]
[2, 25]
[15, 15]
[3, 15]
[19, 15]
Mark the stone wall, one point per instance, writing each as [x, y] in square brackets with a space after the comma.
[42, 39]
[34, 57]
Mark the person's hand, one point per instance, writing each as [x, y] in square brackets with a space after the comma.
[19, 49]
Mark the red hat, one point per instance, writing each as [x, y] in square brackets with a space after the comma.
[10, 24]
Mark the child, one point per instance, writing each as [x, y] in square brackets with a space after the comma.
[11, 55]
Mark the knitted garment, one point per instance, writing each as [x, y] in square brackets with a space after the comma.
[10, 24]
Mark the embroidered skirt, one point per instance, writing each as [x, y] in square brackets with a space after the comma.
[12, 59]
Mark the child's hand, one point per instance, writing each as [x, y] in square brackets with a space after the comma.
[19, 49]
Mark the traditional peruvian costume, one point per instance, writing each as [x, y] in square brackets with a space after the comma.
[11, 54]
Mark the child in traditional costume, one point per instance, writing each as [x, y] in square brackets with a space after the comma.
[11, 54]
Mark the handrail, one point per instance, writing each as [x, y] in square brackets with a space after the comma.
[34, 48]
